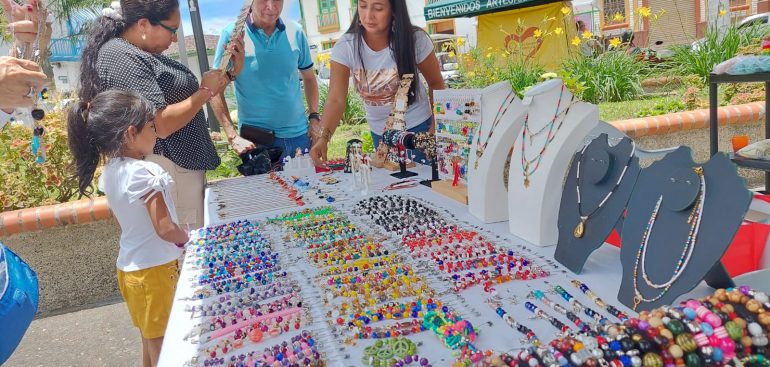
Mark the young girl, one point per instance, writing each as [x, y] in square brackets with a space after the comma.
[118, 126]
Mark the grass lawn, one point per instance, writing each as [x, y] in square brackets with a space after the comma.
[341, 137]
[613, 111]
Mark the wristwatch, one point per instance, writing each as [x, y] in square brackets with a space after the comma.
[314, 115]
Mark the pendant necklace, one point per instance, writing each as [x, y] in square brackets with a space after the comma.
[641, 256]
[481, 148]
[530, 166]
[581, 227]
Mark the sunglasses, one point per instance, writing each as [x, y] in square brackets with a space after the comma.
[172, 30]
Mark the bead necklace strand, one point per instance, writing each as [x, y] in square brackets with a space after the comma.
[687, 251]
[526, 164]
[581, 227]
[482, 147]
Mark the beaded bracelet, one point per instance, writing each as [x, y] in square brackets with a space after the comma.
[302, 351]
[527, 332]
[260, 292]
[231, 304]
[223, 321]
[543, 315]
[238, 285]
[390, 311]
[599, 302]
[578, 307]
[579, 323]
[384, 352]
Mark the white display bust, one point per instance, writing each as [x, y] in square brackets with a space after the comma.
[486, 185]
[533, 210]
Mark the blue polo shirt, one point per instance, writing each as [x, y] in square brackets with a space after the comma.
[268, 88]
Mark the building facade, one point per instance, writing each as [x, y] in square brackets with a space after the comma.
[326, 20]
[683, 21]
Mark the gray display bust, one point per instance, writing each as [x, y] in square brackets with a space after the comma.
[600, 169]
[674, 181]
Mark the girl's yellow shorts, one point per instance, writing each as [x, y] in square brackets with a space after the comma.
[149, 294]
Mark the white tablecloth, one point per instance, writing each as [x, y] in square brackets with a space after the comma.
[602, 273]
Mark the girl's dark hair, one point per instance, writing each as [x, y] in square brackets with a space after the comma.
[97, 129]
[401, 42]
[105, 29]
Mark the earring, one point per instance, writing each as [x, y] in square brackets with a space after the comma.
[393, 26]
[144, 37]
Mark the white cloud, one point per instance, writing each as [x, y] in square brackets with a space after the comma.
[213, 25]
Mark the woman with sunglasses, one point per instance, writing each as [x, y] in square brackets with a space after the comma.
[124, 51]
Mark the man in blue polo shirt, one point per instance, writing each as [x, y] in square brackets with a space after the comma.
[267, 85]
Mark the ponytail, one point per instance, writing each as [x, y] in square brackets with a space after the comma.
[98, 128]
[87, 154]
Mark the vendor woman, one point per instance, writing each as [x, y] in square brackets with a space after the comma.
[380, 46]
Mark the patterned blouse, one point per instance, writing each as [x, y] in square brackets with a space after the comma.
[163, 82]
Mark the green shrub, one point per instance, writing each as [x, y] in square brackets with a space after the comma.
[354, 114]
[482, 70]
[230, 160]
[610, 77]
[663, 108]
[26, 184]
[714, 49]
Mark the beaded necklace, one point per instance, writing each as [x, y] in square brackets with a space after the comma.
[527, 167]
[687, 250]
[481, 148]
[581, 227]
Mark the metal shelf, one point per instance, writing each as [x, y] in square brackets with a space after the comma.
[714, 81]
[758, 164]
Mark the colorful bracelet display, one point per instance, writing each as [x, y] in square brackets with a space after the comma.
[245, 298]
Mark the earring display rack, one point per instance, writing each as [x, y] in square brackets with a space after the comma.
[457, 118]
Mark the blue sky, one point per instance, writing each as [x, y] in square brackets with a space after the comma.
[216, 14]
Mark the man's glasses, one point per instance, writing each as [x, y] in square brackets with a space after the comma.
[172, 30]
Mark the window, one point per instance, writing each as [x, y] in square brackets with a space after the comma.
[326, 45]
[328, 21]
[442, 27]
[615, 12]
[738, 3]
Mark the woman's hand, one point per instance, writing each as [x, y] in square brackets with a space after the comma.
[318, 152]
[214, 80]
[23, 19]
[20, 80]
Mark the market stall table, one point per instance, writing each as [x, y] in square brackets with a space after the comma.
[602, 274]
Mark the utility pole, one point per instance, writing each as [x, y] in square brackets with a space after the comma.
[718, 22]
[182, 45]
[203, 58]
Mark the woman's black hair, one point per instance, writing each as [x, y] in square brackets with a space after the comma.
[105, 29]
[97, 129]
[401, 39]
